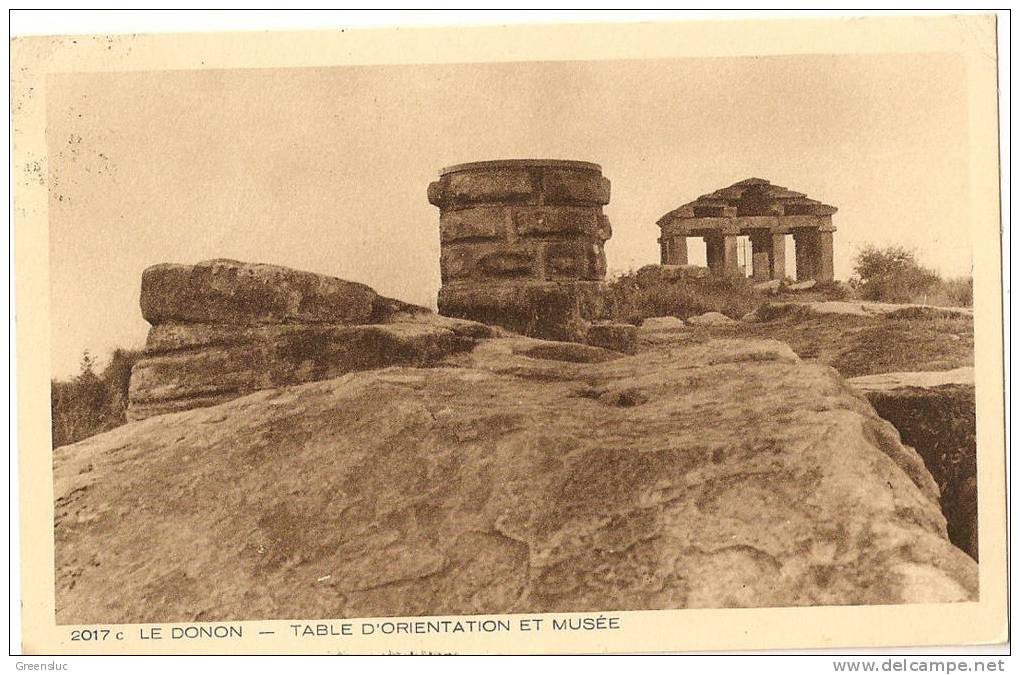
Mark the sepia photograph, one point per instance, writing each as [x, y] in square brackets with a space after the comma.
[502, 341]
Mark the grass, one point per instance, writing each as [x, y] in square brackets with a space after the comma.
[634, 298]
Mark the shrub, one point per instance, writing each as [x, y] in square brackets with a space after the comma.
[631, 301]
[88, 403]
[893, 274]
[958, 292]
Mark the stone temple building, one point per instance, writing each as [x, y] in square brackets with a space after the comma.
[764, 213]
[522, 244]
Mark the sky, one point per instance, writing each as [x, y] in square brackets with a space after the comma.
[326, 169]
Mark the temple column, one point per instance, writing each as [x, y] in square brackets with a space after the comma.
[823, 262]
[714, 253]
[777, 256]
[664, 250]
[730, 266]
[721, 254]
[760, 256]
[806, 251]
[678, 250]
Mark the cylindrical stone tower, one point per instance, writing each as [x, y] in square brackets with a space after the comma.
[522, 244]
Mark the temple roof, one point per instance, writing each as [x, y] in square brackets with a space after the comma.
[750, 197]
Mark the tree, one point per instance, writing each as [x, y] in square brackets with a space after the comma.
[891, 274]
[88, 403]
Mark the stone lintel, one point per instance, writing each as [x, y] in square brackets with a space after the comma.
[745, 224]
[789, 224]
[699, 227]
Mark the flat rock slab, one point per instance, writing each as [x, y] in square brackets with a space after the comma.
[802, 285]
[710, 319]
[771, 285]
[934, 413]
[722, 474]
[660, 330]
[661, 324]
[925, 379]
[238, 293]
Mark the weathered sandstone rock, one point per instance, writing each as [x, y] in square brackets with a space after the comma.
[934, 413]
[223, 329]
[710, 319]
[238, 361]
[524, 476]
[768, 286]
[660, 330]
[238, 293]
[802, 285]
[926, 379]
[621, 337]
[658, 324]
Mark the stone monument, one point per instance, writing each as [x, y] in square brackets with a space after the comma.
[522, 244]
[766, 214]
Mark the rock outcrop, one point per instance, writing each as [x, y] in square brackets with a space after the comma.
[934, 413]
[662, 324]
[620, 337]
[710, 319]
[521, 476]
[237, 293]
[222, 329]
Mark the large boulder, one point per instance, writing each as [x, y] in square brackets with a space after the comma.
[662, 324]
[934, 413]
[238, 293]
[621, 337]
[222, 329]
[523, 476]
[660, 329]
